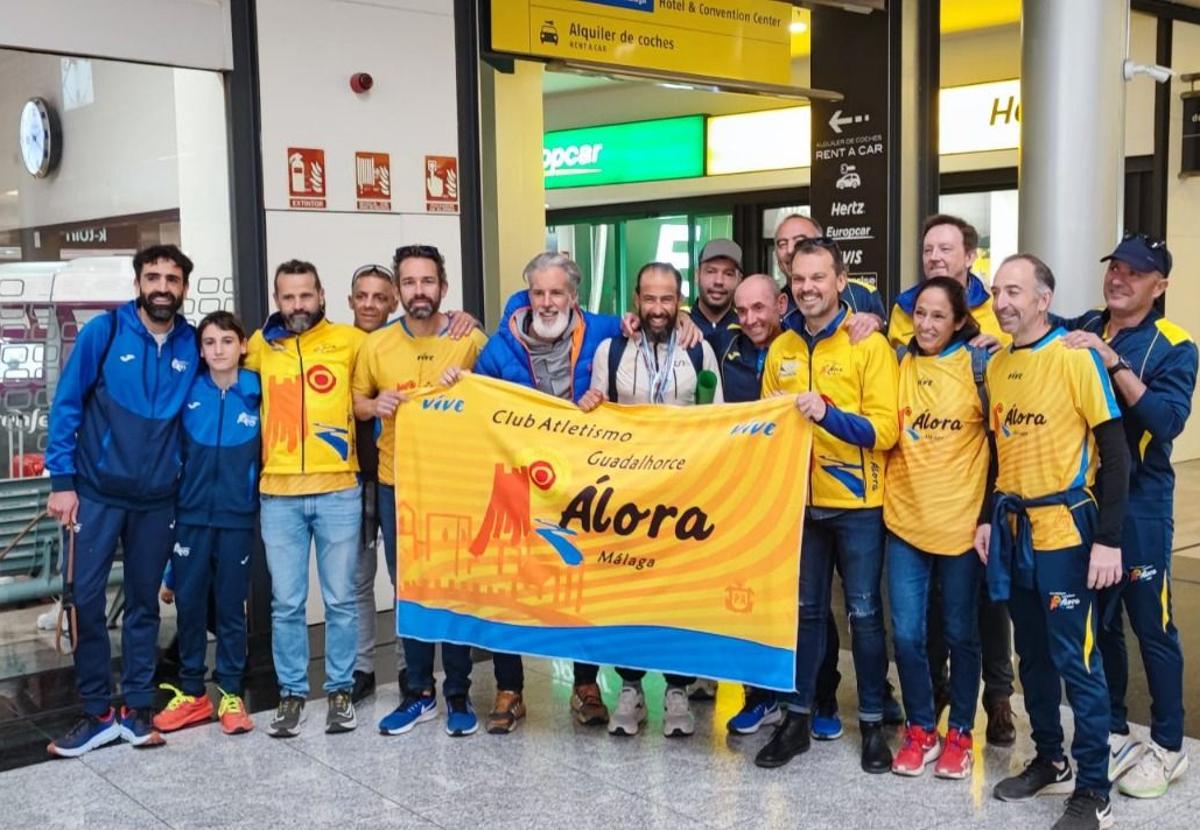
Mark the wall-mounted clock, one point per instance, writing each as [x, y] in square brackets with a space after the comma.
[41, 137]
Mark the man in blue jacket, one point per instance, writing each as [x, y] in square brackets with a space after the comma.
[545, 341]
[1152, 364]
[113, 456]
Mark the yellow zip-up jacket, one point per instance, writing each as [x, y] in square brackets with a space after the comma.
[307, 406]
[979, 300]
[859, 385]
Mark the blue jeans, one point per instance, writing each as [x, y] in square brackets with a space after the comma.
[853, 539]
[290, 525]
[911, 574]
[419, 654]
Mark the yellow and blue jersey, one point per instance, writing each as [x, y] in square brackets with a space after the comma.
[979, 300]
[1164, 357]
[1045, 401]
[942, 427]
[391, 358]
[858, 383]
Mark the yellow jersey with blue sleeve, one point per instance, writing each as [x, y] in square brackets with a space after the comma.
[1045, 401]
[858, 383]
[942, 427]
[979, 300]
[392, 358]
[307, 410]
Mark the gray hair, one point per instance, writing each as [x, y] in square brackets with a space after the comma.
[553, 259]
[1041, 271]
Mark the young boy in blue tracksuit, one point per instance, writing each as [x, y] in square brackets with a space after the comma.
[214, 534]
[113, 457]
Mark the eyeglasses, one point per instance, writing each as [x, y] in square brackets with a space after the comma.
[1151, 243]
[422, 251]
[373, 268]
[822, 241]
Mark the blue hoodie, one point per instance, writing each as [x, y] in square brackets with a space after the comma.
[221, 447]
[505, 356]
[114, 429]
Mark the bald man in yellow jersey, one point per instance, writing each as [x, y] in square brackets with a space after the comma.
[1050, 548]
[399, 358]
[931, 523]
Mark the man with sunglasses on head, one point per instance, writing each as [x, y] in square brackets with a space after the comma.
[1152, 364]
[396, 360]
[373, 300]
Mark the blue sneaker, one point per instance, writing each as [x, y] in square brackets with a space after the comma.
[460, 717]
[826, 725]
[411, 711]
[138, 729]
[755, 714]
[88, 733]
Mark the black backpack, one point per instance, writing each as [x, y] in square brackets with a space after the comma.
[616, 350]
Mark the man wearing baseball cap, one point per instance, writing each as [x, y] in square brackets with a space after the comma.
[1152, 363]
[717, 276]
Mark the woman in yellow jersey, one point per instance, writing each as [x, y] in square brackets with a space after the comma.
[937, 479]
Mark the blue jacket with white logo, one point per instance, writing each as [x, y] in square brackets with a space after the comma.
[114, 429]
[1164, 356]
[506, 357]
[221, 450]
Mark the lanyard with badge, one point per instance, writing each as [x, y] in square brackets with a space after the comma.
[660, 374]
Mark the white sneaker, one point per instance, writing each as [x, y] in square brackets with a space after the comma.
[678, 721]
[1153, 772]
[1123, 753]
[630, 712]
[703, 689]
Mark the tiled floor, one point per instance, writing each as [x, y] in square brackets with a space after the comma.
[548, 774]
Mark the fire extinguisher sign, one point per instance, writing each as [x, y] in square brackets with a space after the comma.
[306, 177]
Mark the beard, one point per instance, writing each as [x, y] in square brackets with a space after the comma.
[426, 309]
[160, 313]
[550, 329]
[657, 335]
[299, 322]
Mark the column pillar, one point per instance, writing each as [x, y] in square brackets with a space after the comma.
[1072, 156]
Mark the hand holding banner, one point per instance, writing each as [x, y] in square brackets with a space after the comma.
[655, 537]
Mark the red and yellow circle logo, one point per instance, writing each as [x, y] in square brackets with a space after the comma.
[541, 473]
[320, 379]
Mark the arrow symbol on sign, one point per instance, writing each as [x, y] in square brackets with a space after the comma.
[836, 121]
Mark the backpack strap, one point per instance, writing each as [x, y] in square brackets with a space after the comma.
[112, 334]
[979, 362]
[616, 350]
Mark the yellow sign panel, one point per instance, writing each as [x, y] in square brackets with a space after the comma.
[744, 40]
[979, 117]
[655, 537]
[767, 140]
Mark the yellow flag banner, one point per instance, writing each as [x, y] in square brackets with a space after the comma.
[653, 537]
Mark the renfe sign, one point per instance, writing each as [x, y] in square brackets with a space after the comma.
[640, 151]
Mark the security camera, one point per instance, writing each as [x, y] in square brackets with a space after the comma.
[1160, 74]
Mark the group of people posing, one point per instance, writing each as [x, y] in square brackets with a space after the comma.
[1010, 466]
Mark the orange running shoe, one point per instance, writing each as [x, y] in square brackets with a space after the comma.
[182, 710]
[232, 713]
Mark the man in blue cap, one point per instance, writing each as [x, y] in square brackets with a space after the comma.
[1152, 364]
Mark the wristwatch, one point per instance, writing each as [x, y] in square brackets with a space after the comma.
[1121, 363]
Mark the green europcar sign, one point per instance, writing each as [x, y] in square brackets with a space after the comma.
[640, 151]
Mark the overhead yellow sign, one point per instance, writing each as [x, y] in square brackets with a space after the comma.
[979, 117]
[655, 537]
[744, 40]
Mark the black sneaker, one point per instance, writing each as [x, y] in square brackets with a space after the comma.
[340, 717]
[364, 685]
[876, 757]
[791, 738]
[1040, 777]
[289, 715]
[1086, 810]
